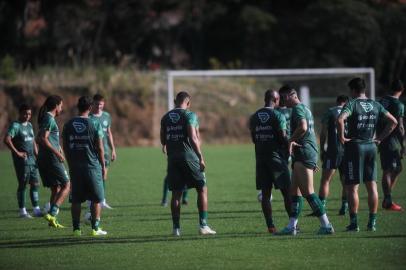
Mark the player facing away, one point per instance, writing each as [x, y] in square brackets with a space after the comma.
[104, 118]
[83, 145]
[20, 140]
[303, 148]
[181, 140]
[268, 133]
[362, 115]
[51, 157]
[392, 149]
[165, 191]
[332, 157]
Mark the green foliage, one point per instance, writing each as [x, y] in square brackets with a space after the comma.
[7, 68]
[139, 228]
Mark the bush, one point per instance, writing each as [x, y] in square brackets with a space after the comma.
[7, 68]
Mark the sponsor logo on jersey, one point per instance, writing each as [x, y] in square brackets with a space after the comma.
[366, 106]
[105, 123]
[174, 117]
[263, 117]
[79, 126]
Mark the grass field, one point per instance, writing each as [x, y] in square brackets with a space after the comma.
[140, 229]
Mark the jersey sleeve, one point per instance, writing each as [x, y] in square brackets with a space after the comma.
[13, 130]
[381, 109]
[192, 119]
[109, 120]
[47, 124]
[298, 113]
[348, 108]
[99, 134]
[401, 110]
[281, 122]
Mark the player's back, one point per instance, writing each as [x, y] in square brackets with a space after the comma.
[80, 137]
[330, 119]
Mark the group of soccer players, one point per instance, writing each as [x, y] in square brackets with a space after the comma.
[282, 131]
[353, 129]
[88, 147]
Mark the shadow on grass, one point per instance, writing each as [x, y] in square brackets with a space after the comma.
[87, 240]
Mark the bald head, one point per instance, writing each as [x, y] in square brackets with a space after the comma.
[271, 98]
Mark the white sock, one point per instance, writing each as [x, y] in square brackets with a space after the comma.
[36, 208]
[23, 211]
[292, 223]
[324, 220]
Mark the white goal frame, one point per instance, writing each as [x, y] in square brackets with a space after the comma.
[171, 74]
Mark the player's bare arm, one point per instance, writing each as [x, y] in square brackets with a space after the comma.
[391, 124]
[100, 151]
[9, 143]
[323, 139]
[195, 142]
[341, 127]
[111, 144]
[297, 134]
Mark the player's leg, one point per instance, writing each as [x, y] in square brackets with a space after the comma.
[175, 211]
[392, 167]
[75, 212]
[296, 205]
[34, 191]
[353, 203]
[324, 190]
[267, 209]
[372, 204]
[202, 205]
[287, 199]
[21, 190]
[305, 181]
[165, 191]
[185, 196]
[344, 201]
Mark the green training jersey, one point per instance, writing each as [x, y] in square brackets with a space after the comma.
[174, 125]
[300, 112]
[329, 119]
[287, 112]
[48, 123]
[105, 121]
[22, 136]
[265, 125]
[363, 116]
[397, 109]
[80, 139]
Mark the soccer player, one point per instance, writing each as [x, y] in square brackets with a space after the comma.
[362, 115]
[268, 133]
[20, 140]
[51, 157]
[332, 158]
[105, 120]
[392, 149]
[164, 201]
[303, 148]
[181, 140]
[83, 145]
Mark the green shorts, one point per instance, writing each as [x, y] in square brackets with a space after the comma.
[27, 173]
[359, 162]
[53, 174]
[272, 171]
[333, 161]
[390, 159]
[305, 154]
[86, 184]
[183, 173]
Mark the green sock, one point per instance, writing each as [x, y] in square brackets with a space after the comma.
[95, 223]
[34, 195]
[203, 218]
[21, 198]
[53, 211]
[316, 205]
[296, 206]
[354, 218]
[372, 219]
[323, 200]
[185, 195]
[176, 222]
[344, 201]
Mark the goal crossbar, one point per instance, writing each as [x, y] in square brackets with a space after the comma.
[266, 72]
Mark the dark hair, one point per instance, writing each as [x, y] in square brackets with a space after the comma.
[84, 103]
[50, 103]
[342, 99]
[397, 86]
[181, 97]
[270, 95]
[24, 107]
[285, 89]
[358, 85]
[98, 97]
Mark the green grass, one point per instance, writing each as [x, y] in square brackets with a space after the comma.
[139, 228]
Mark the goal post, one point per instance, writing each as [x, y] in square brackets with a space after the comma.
[172, 74]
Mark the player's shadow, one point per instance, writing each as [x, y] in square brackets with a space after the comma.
[84, 240]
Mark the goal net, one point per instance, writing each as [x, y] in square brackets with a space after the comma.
[224, 99]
